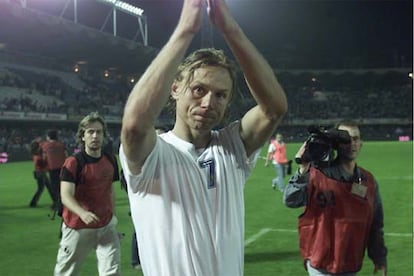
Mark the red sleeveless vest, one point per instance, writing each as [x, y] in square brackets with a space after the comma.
[94, 193]
[334, 228]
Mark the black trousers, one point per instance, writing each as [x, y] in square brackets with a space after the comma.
[42, 181]
[54, 176]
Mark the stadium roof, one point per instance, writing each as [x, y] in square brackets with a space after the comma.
[33, 33]
[290, 34]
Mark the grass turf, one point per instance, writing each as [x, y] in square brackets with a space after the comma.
[30, 237]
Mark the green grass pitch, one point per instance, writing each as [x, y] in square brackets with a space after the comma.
[30, 239]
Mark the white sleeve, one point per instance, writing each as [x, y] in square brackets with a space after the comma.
[233, 140]
[271, 148]
[134, 180]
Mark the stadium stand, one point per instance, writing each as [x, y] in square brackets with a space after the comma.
[39, 89]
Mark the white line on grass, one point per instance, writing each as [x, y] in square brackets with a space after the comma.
[398, 234]
[256, 236]
[266, 230]
[409, 177]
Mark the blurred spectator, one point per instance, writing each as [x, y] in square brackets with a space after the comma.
[39, 173]
[55, 152]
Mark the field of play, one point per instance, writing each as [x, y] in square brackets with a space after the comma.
[30, 237]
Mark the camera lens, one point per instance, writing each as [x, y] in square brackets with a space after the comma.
[318, 150]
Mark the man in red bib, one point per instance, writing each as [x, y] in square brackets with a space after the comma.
[343, 213]
[55, 152]
[89, 222]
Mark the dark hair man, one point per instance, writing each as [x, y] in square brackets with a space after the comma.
[87, 195]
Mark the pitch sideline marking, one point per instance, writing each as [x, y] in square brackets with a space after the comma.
[266, 230]
[256, 236]
[410, 177]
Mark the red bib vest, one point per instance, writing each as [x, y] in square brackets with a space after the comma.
[93, 192]
[334, 227]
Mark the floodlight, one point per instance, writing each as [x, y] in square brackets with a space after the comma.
[123, 6]
[76, 68]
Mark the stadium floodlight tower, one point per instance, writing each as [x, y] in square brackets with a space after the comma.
[122, 6]
[116, 6]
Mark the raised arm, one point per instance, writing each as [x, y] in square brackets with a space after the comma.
[151, 93]
[295, 194]
[261, 121]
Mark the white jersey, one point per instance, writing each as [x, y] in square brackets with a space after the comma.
[188, 207]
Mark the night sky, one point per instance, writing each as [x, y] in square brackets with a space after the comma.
[315, 33]
[290, 33]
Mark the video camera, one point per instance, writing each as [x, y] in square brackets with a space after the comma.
[321, 143]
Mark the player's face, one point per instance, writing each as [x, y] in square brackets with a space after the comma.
[93, 136]
[350, 151]
[279, 138]
[202, 102]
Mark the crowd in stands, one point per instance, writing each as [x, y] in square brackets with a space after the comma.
[317, 96]
[30, 92]
[358, 96]
[26, 90]
[369, 95]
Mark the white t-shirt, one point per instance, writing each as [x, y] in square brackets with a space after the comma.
[270, 150]
[188, 208]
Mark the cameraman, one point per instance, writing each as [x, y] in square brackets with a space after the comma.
[343, 211]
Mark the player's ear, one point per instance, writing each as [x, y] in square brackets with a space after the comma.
[175, 90]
